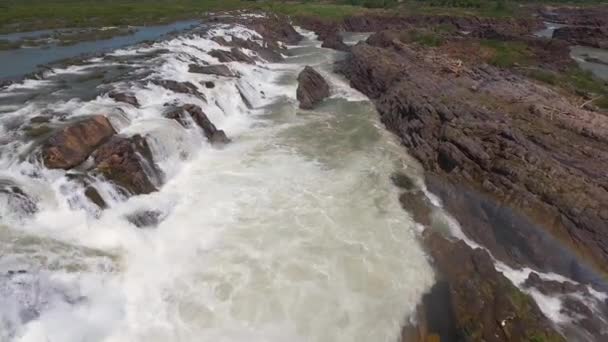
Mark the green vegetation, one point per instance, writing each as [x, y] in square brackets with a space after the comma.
[577, 81]
[429, 39]
[507, 53]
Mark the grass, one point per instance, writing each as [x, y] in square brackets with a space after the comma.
[27, 15]
[506, 53]
[575, 80]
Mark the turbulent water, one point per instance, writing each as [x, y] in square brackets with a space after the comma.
[293, 232]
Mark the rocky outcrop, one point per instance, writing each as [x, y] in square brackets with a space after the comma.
[596, 37]
[263, 50]
[524, 145]
[217, 70]
[327, 31]
[485, 305]
[180, 87]
[125, 98]
[128, 163]
[214, 135]
[312, 88]
[74, 143]
[234, 55]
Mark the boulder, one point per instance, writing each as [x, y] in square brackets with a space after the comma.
[125, 98]
[334, 41]
[234, 55]
[217, 70]
[180, 87]
[312, 88]
[128, 163]
[73, 144]
[214, 135]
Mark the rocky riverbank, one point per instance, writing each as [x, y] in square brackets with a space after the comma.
[517, 161]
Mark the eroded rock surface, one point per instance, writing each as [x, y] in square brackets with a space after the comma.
[73, 144]
[312, 88]
[180, 87]
[525, 144]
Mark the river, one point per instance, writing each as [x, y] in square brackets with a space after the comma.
[293, 232]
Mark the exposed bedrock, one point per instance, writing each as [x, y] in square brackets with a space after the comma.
[521, 143]
[73, 144]
[312, 88]
[125, 98]
[234, 55]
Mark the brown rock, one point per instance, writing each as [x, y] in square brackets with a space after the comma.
[73, 144]
[584, 35]
[214, 135]
[128, 163]
[312, 88]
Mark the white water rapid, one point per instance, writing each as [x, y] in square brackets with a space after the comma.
[292, 232]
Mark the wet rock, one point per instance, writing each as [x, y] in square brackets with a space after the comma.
[128, 163]
[146, 218]
[17, 200]
[124, 97]
[217, 70]
[334, 41]
[93, 195]
[486, 306]
[312, 88]
[214, 135]
[180, 87]
[234, 55]
[264, 50]
[403, 181]
[73, 144]
[40, 119]
[209, 85]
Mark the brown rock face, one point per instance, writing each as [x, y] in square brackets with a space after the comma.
[217, 70]
[128, 163]
[312, 88]
[485, 305]
[214, 135]
[73, 144]
[525, 145]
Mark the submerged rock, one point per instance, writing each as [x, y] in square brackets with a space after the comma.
[125, 98]
[312, 88]
[216, 69]
[128, 163]
[145, 218]
[73, 144]
[214, 135]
